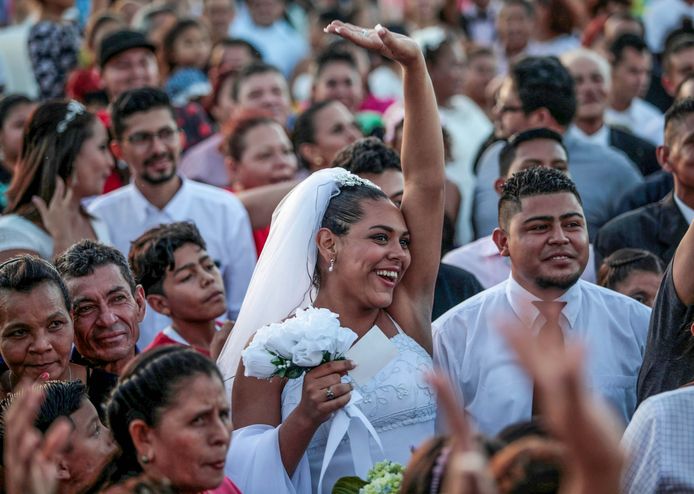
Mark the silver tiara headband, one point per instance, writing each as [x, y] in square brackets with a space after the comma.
[352, 180]
[73, 109]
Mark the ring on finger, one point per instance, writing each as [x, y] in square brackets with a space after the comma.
[329, 393]
[364, 32]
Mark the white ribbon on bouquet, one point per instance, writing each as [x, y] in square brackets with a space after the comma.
[351, 420]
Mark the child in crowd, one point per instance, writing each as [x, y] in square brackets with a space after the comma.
[635, 273]
[185, 52]
[182, 282]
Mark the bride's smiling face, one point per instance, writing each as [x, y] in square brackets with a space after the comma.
[373, 256]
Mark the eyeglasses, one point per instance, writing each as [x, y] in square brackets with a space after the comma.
[167, 135]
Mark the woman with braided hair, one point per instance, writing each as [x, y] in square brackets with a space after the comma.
[171, 437]
[635, 273]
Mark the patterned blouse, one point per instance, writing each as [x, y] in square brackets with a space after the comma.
[53, 50]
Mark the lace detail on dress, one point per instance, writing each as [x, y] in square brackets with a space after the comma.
[396, 397]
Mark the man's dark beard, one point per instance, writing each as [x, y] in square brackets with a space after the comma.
[158, 180]
[562, 283]
[162, 179]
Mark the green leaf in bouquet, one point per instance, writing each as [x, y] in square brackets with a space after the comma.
[293, 372]
[348, 485]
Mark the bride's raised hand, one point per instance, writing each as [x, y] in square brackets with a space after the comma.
[397, 47]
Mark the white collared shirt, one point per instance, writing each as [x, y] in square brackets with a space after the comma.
[221, 218]
[660, 442]
[686, 211]
[601, 137]
[641, 118]
[494, 388]
[482, 259]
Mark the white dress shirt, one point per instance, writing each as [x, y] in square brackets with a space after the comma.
[494, 388]
[660, 445]
[482, 259]
[641, 118]
[600, 138]
[686, 211]
[221, 218]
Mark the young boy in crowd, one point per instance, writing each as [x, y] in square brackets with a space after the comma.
[182, 282]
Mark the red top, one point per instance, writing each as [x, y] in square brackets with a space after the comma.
[260, 236]
[161, 339]
[226, 487]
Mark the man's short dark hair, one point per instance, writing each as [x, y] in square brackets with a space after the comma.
[677, 114]
[137, 101]
[61, 399]
[529, 183]
[333, 55]
[543, 82]
[25, 272]
[369, 155]
[86, 255]
[508, 152]
[250, 70]
[152, 253]
[679, 44]
[624, 41]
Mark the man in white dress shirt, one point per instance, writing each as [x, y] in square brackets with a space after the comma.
[147, 138]
[631, 75]
[534, 147]
[543, 231]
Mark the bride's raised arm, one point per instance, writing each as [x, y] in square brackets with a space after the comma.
[422, 160]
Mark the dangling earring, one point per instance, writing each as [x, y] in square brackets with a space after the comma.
[332, 265]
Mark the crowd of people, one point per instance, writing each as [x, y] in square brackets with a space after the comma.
[495, 196]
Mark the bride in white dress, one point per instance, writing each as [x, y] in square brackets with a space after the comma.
[337, 242]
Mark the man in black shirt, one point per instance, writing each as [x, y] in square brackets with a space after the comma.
[668, 362]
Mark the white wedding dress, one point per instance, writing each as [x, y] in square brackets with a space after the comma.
[397, 402]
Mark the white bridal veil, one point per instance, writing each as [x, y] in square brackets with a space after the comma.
[282, 279]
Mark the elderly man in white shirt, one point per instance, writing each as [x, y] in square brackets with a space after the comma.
[148, 139]
[534, 147]
[543, 231]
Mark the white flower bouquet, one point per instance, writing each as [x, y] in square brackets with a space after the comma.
[288, 349]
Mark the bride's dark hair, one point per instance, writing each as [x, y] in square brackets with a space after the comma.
[344, 210]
